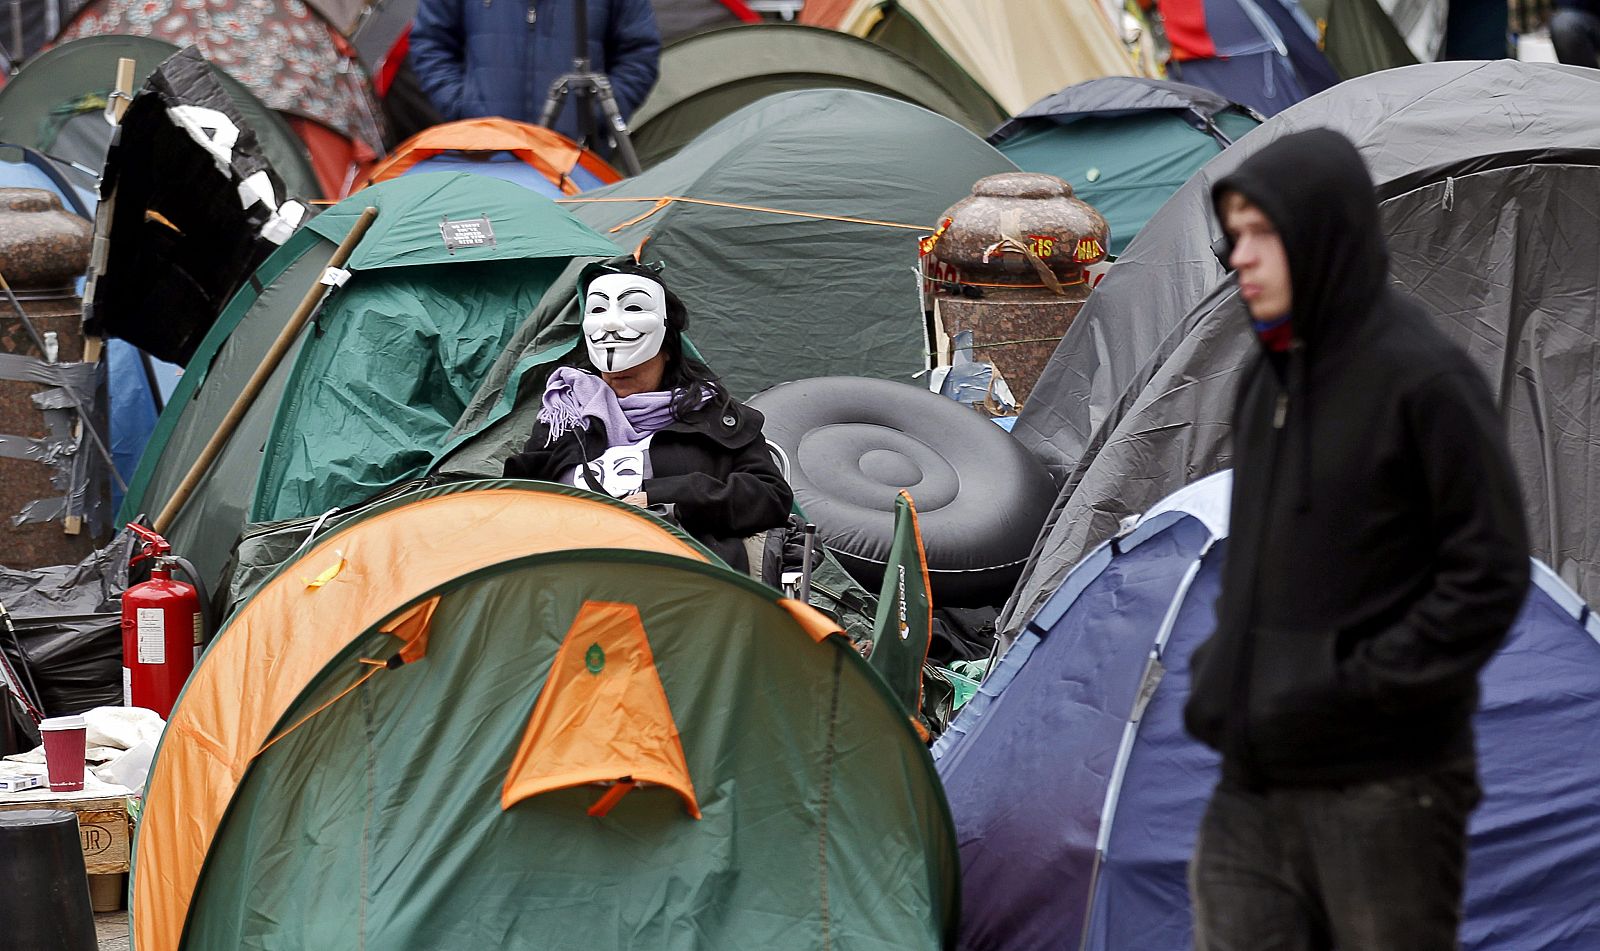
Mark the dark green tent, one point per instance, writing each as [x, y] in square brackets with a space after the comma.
[56, 105]
[1124, 143]
[371, 388]
[791, 231]
[707, 77]
[484, 735]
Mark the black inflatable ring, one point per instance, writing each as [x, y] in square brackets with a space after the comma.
[853, 444]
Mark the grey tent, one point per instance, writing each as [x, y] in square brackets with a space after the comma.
[1489, 179]
[790, 231]
[708, 77]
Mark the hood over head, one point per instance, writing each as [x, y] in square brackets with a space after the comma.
[1316, 191]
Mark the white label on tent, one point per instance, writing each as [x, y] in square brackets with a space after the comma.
[471, 233]
[152, 623]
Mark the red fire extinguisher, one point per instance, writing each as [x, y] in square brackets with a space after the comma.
[162, 630]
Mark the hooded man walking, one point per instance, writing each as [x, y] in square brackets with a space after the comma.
[1376, 558]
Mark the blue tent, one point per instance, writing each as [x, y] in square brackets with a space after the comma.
[1076, 792]
[1263, 54]
[131, 371]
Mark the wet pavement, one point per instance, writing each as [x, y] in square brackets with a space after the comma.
[111, 928]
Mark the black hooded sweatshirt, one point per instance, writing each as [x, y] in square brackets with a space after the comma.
[1377, 553]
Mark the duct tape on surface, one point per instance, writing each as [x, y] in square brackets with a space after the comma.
[70, 387]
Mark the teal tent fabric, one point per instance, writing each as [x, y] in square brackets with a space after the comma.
[1125, 166]
[403, 353]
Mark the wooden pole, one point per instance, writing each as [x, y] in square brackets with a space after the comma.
[124, 86]
[258, 380]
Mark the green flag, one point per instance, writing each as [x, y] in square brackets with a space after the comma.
[905, 611]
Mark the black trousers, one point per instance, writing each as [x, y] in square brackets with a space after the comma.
[1375, 866]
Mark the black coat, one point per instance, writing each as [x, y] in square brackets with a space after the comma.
[1377, 553]
[714, 468]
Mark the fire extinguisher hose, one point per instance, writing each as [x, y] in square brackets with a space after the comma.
[208, 623]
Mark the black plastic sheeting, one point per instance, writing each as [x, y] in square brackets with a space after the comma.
[1489, 180]
[68, 628]
[185, 222]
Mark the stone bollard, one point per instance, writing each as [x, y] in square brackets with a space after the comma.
[1011, 263]
[44, 905]
[54, 482]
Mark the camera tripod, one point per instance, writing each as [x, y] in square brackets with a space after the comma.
[592, 92]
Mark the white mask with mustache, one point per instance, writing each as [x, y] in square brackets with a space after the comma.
[624, 320]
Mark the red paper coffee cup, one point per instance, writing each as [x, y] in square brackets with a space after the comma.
[64, 749]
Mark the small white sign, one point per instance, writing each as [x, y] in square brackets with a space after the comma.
[152, 636]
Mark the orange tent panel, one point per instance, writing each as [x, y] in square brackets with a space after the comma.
[550, 153]
[602, 717]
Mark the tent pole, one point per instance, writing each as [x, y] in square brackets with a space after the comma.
[258, 380]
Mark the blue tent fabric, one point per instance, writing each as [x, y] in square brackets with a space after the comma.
[1265, 58]
[506, 167]
[1301, 43]
[1076, 806]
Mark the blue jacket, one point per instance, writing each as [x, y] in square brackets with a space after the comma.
[485, 58]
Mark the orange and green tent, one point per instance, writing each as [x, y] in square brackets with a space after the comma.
[521, 716]
[528, 155]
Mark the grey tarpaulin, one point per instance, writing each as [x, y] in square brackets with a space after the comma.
[74, 388]
[1489, 176]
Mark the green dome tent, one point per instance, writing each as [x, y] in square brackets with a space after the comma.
[727, 772]
[709, 76]
[790, 231]
[1124, 143]
[55, 105]
[369, 390]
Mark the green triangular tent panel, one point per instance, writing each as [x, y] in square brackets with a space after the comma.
[380, 823]
[904, 622]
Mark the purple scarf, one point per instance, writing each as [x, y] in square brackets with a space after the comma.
[573, 397]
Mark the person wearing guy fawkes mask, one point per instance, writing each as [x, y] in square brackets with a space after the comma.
[638, 418]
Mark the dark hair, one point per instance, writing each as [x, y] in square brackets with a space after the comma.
[696, 388]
